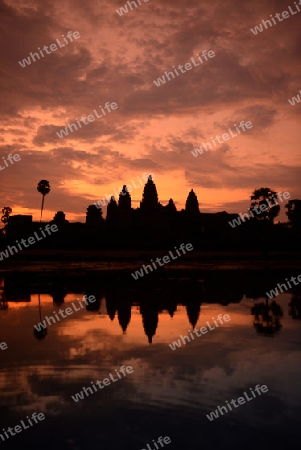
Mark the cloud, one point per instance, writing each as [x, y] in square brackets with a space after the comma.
[116, 59]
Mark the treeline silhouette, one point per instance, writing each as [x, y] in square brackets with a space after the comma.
[153, 226]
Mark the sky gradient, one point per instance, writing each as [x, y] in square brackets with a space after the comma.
[154, 128]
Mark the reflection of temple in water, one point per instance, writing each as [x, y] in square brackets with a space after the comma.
[124, 314]
[59, 294]
[149, 319]
[153, 297]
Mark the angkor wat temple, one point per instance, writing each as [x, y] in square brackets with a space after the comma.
[153, 226]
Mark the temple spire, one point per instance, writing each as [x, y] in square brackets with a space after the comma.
[192, 204]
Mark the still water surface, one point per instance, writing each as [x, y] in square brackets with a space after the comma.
[169, 392]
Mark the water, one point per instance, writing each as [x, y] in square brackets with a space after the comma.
[169, 392]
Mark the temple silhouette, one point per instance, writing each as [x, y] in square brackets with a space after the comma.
[153, 226]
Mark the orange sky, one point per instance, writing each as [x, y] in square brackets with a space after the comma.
[154, 128]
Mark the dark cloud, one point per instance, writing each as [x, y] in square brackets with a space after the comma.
[116, 59]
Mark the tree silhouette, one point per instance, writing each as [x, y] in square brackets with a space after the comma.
[265, 197]
[6, 211]
[294, 213]
[44, 189]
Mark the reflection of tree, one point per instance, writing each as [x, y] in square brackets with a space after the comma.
[3, 301]
[266, 317]
[41, 334]
[295, 307]
[3, 305]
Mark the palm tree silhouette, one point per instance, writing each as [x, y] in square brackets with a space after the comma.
[41, 334]
[44, 189]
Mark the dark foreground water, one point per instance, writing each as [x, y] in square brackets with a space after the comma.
[169, 393]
